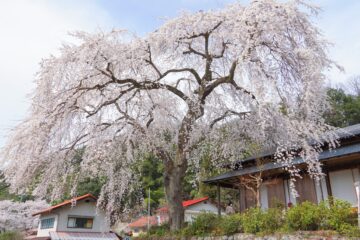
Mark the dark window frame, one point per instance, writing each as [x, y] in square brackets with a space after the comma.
[80, 217]
[47, 219]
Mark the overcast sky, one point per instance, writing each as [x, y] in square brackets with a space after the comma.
[34, 29]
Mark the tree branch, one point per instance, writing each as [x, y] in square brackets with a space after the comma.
[227, 114]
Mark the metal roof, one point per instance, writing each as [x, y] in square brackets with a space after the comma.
[83, 236]
[341, 151]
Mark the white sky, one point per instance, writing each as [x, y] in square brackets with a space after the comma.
[33, 29]
[30, 31]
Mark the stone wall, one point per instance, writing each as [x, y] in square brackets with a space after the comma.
[295, 236]
[242, 236]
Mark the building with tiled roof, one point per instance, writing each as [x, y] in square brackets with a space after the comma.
[76, 218]
[192, 208]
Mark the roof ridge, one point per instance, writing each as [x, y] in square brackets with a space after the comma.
[66, 202]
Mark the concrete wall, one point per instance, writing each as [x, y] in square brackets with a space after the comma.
[191, 212]
[86, 210]
[82, 209]
[45, 232]
[203, 206]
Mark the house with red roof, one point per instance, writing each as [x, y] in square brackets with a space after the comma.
[76, 218]
[192, 209]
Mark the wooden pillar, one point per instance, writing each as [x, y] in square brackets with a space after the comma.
[239, 200]
[218, 200]
[328, 185]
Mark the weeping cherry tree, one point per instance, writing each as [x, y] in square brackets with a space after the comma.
[213, 79]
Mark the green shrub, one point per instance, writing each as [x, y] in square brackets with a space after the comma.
[159, 231]
[255, 220]
[230, 224]
[204, 224]
[339, 213]
[11, 236]
[273, 220]
[304, 216]
[251, 220]
[349, 230]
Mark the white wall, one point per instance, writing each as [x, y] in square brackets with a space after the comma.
[203, 206]
[342, 184]
[82, 208]
[45, 232]
[191, 212]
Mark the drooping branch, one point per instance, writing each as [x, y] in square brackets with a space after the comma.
[226, 114]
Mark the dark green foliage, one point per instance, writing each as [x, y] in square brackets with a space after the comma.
[4, 188]
[345, 108]
[151, 171]
[6, 195]
[87, 185]
[91, 185]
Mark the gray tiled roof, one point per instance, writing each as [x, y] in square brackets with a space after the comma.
[343, 133]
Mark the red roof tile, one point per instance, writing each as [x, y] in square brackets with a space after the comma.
[66, 202]
[186, 203]
[143, 221]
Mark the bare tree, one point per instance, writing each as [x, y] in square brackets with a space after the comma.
[253, 182]
[353, 85]
[205, 78]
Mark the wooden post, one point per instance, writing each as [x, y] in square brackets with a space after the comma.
[239, 199]
[218, 199]
[328, 185]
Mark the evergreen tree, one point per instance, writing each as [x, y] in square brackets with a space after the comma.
[345, 108]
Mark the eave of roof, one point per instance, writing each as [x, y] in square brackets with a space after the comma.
[66, 202]
[83, 236]
[343, 133]
[341, 151]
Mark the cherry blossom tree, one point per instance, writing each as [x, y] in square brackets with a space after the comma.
[18, 215]
[224, 79]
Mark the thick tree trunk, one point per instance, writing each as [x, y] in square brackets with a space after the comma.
[174, 192]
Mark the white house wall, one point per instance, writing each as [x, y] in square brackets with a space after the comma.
[342, 184]
[45, 232]
[82, 209]
[205, 206]
[86, 210]
[191, 212]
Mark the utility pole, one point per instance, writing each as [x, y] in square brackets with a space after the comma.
[148, 220]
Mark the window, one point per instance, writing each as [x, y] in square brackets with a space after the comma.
[47, 223]
[80, 222]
